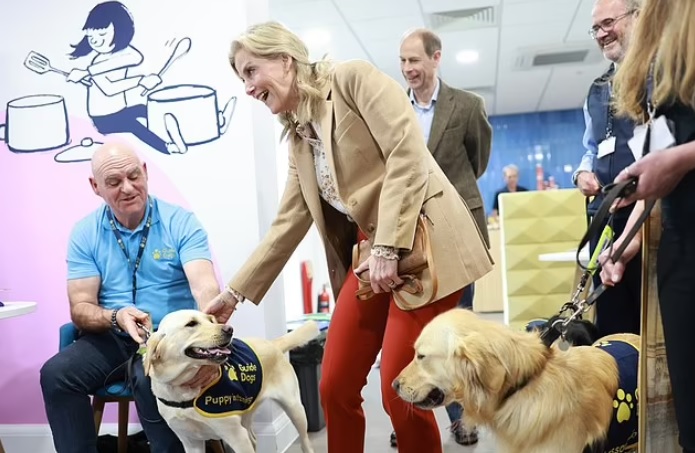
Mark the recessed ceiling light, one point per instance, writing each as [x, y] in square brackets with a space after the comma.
[467, 56]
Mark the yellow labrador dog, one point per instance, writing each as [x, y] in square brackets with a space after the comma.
[533, 398]
[250, 371]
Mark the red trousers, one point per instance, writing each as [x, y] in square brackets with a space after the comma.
[358, 330]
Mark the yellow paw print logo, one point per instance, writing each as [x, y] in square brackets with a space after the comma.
[624, 405]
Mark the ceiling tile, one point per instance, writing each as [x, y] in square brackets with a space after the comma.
[435, 6]
[372, 30]
[356, 10]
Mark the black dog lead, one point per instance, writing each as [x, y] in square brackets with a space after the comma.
[578, 307]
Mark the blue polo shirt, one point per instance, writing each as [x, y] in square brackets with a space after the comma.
[175, 238]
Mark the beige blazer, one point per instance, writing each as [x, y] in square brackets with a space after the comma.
[384, 175]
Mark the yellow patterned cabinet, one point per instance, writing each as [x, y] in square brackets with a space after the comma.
[533, 223]
[488, 290]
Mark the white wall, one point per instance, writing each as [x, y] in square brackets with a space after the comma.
[225, 181]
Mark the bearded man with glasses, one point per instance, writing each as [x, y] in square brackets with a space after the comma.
[607, 153]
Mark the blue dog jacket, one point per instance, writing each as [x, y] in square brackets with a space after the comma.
[237, 388]
[622, 433]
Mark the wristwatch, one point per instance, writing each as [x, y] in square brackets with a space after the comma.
[114, 323]
[575, 175]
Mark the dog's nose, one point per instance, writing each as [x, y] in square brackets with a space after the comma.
[229, 330]
[396, 385]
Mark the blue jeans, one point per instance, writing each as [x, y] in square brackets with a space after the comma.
[454, 410]
[69, 377]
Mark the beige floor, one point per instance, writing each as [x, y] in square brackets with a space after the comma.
[379, 426]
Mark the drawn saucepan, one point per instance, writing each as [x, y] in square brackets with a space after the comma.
[38, 122]
[195, 108]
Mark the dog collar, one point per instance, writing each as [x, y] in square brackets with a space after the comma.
[179, 404]
[520, 385]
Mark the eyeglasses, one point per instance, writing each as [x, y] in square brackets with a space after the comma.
[607, 24]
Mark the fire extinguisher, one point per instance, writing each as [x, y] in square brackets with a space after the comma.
[323, 304]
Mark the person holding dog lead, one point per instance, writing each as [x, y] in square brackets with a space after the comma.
[655, 85]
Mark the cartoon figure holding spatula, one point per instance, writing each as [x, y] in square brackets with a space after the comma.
[108, 33]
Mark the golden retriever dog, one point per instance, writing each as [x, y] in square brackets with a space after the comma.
[250, 371]
[534, 399]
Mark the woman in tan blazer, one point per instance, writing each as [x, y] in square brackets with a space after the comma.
[358, 166]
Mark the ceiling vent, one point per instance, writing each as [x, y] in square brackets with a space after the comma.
[562, 55]
[463, 19]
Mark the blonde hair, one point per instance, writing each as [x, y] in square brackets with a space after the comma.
[272, 40]
[662, 35]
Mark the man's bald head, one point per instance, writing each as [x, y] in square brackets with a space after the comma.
[120, 178]
[112, 152]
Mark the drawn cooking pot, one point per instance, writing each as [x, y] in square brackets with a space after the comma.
[38, 122]
[194, 107]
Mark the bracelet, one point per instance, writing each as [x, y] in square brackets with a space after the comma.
[382, 251]
[114, 322]
[237, 295]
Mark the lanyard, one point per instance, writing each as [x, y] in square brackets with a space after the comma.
[609, 119]
[143, 242]
[609, 123]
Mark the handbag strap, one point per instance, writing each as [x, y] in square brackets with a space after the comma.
[411, 284]
[430, 265]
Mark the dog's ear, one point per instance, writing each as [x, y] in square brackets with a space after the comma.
[468, 367]
[481, 361]
[152, 353]
[469, 351]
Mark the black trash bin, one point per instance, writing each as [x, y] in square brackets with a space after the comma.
[306, 361]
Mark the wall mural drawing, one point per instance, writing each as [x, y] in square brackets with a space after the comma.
[168, 118]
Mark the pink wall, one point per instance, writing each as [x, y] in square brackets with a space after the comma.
[40, 201]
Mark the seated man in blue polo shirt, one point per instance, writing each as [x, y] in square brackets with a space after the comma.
[130, 262]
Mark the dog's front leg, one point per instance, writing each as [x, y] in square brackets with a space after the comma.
[238, 438]
[247, 422]
[192, 445]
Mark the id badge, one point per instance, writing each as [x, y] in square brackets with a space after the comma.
[636, 143]
[662, 137]
[606, 147]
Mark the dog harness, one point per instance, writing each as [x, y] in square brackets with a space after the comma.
[622, 433]
[236, 388]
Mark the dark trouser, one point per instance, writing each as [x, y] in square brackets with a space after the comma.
[618, 308]
[467, 296]
[127, 121]
[70, 376]
[454, 410]
[676, 284]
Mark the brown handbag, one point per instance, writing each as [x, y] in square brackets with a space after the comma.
[411, 265]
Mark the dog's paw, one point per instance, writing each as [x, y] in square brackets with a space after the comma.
[624, 405]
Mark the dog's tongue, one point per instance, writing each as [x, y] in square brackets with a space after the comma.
[219, 351]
